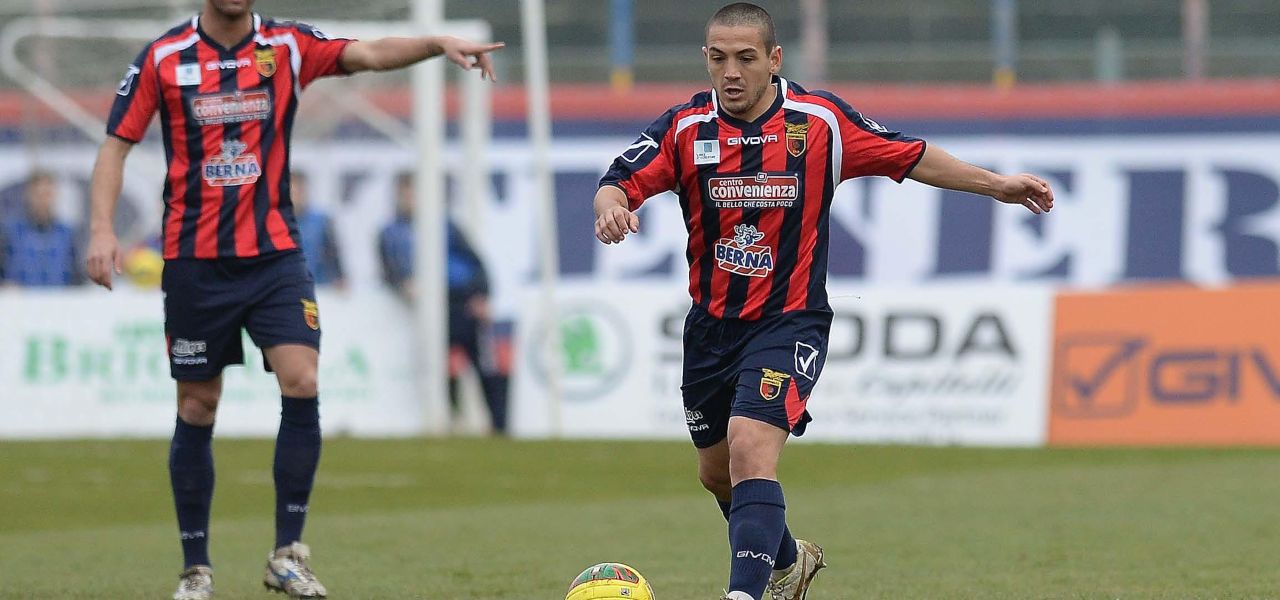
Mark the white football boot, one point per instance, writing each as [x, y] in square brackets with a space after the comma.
[793, 582]
[288, 572]
[195, 583]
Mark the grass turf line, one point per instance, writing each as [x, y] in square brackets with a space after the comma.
[497, 519]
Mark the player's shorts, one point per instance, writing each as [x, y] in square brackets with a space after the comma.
[208, 301]
[763, 369]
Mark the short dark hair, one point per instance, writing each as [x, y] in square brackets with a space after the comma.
[740, 14]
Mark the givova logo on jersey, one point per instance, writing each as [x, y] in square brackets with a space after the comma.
[742, 255]
[232, 167]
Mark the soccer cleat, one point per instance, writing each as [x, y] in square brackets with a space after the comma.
[793, 582]
[195, 583]
[737, 596]
[288, 572]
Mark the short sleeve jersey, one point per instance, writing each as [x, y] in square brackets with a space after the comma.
[756, 196]
[226, 115]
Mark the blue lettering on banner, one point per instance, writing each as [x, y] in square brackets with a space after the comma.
[1249, 195]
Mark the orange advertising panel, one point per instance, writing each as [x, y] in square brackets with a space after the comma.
[1167, 366]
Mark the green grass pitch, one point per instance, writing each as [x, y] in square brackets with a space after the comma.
[497, 519]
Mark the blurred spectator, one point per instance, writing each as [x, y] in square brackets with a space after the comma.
[315, 228]
[36, 249]
[470, 321]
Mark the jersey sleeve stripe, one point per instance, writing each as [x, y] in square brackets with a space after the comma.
[164, 50]
[829, 117]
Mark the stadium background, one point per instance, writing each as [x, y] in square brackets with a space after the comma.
[1136, 314]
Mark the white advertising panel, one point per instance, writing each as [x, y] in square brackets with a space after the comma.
[940, 365]
[91, 363]
[937, 366]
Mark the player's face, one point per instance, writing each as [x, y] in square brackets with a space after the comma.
[740, 67]
[230, 8]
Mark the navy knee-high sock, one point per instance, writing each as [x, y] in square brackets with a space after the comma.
[786, 555]
[191, 475]
[757, 518]
[297, 455]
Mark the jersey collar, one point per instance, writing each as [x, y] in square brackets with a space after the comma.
[257, 29]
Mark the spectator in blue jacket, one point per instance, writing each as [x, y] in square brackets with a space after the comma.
[470, 321]
[37, 250]
[319, 243]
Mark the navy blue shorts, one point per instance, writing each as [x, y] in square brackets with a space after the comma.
[764, 370]
[208, 301]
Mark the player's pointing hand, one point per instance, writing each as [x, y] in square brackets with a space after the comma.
[469, 55]
[613, 225]
[103, 258]
[1027, 190]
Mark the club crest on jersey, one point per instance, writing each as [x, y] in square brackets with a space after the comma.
[763, 190]
[265, 59]
[232, 167]
[311, 314]
[797, 138]
[772, 382]
[741, 255]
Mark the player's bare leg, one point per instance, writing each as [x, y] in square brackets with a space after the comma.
[713, 471]
[191, 474]
[297, 456]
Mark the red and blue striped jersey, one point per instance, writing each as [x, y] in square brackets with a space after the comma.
[226, 115]
[756, 196]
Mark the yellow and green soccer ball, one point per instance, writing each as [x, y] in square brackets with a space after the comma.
[610, 581]
[144, 266]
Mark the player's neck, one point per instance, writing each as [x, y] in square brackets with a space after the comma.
[227, 31]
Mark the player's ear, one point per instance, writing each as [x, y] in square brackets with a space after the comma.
[775, 60]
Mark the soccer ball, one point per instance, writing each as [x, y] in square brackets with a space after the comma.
[610, 581]
[144, 266]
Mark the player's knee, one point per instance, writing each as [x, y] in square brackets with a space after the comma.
[715, 480]
[299, 383]
[751, 461]
[198, 406]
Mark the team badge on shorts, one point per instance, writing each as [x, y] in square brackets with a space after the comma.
[266, 61]
[797, 138]
[311, 314]
[771, 383]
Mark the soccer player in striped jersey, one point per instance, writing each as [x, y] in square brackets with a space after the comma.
[755, 162]
[226, 86]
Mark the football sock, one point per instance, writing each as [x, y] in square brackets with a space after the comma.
[786, 555]
[786, 550]
[297, 455]
[191, 475]
[756, 521]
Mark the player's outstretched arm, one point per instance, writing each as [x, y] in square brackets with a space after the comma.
[103, 257]
[614, 220]
[939, 169]
[396, 52]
